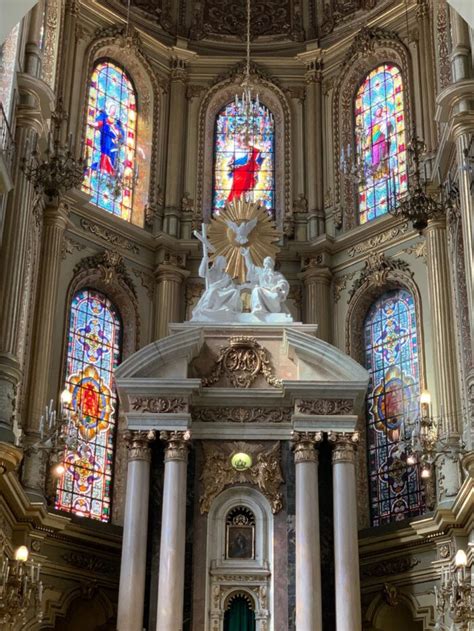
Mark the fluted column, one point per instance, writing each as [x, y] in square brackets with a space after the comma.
[427, 78]
[131, 600]
[313, 146]
[175, 154]
[168, 297]
[317, 282]
[439, 285]
[308, 554]
[173, 533]
[55, 219]
[346, 545]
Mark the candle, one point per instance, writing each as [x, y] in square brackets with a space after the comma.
[41, 427]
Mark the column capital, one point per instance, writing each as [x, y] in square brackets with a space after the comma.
[344, 446]
[138, 444]
[303, 445]
[314, 273]
[177, 448]
[178, 69]
[56, 212]
[314, 71]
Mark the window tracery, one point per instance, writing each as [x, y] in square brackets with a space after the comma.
[391, 357]
[93, 352]
[111, 139]
[244, 163]
[380, 140]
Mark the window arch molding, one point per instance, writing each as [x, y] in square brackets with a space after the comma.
[128, 56]
[370, 49]
[359, 305]
[217, 98]
[121, 292]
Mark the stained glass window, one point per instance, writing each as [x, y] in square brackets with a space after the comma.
[92, 354]
[110, 146]
[244, 163]
[380, 140]
[391, 356]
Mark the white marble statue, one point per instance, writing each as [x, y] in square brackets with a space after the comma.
[243, 230]
[221, 300]
[269, 289]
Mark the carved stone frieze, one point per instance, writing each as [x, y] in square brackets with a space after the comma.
[240, 363]
[387, 567]
[241, 415]
[110, 237]
[443, 32]
[218, 472]
[325, 406]
[376, 270]
[344, 445]
[89, 562]
[158, 405]
[380, 239]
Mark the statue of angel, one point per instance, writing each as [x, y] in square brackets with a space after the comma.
[269, 288]
[221, 297]
[242, 230]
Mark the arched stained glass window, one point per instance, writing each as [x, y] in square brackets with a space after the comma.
[380, 140]
[244, 163]
[110, 150]
[93, 351]
[391, 357]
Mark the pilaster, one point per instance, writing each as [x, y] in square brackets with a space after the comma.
[168, 296]
[314, 148]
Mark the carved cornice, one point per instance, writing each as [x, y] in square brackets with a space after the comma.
[177, 449]
[304, 443]
[240, 363]
[218, 472]
[110, 237]
[344, 446]
[377, 269]
[241, 415]
[138, 444]
[399, 565]
[325, 407]
[158, 405]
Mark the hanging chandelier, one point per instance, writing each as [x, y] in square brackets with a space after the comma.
[247, 104]
[21, 590]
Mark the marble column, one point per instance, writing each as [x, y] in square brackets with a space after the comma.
[427, 78]
[317, 281]
[131, 599]
[176, 141]
[55, 219]
[308, 554]
[346, 544]
[168, 297]
[313, 148]
[173, 533]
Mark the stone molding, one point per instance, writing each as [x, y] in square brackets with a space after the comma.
[325, 407]
[241, 415]
[158, 405]
[177, 449]
[304, 446]
[138, 444]
[344, 446]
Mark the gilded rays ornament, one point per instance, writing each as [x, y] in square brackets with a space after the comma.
[243, 224]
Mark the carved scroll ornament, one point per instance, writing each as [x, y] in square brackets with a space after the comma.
[158, 405]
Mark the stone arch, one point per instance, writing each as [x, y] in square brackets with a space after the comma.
[243, 592]
[371, 48]
[126, 51]
[214, 100]
[403, 612]
[229, 576]
[374, 286]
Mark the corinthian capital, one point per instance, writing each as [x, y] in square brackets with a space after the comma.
[138, 444]
[304, 443]
[344, 445]
[177, 448]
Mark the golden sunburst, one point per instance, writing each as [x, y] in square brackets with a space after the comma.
[261, 240]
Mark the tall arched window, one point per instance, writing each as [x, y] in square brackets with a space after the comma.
[391, 357]
[110, 150]
[244, 163]
[380, 140]
[93, 351]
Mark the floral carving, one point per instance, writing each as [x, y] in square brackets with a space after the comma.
[111, 268]
[158, 405]
[106, 235]
[325, 406]
[377, 269]
[241, 362]
[89, 562]
[218, 472]
[398, 565]
[69, 246]
[241, 415]
[379, 239]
